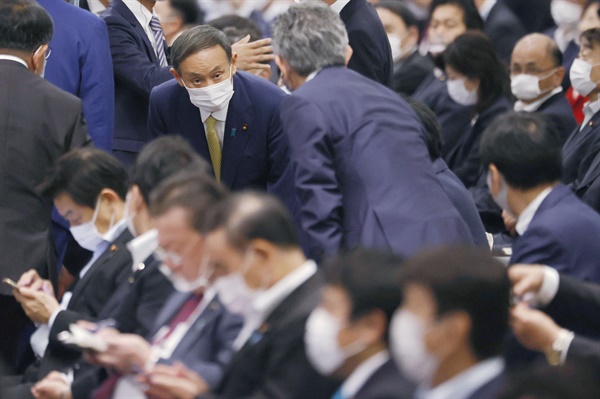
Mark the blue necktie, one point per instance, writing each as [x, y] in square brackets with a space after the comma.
[338, 394]
[160, 41]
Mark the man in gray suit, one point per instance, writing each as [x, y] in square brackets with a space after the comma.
[38, 123]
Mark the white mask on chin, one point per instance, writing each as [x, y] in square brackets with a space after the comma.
[87, 234]
[459, 93]
[212, 98]
[527, 87]
[580, 75]
[501, 199]
[565, 13]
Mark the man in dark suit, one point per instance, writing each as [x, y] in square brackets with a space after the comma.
[139, 54]
[522, 155]
[567, 302]
[251, 238]
[501, 25]
[441, 338]
[452, 186]
[88, 187]
[578, 149]
[371, 52]
[347, 334]
[410, 67]
[39, 124]
[353, 169]
[231, 118]
[536, 74]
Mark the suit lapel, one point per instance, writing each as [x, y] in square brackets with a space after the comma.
[593, 172]
[238, 128]
[128, 15]
[170, 309]
[577, 137]
[190, 124]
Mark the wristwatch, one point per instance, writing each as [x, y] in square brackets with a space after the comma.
[554, 354]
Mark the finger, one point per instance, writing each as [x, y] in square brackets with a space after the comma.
[27, 293]
[260, 43]
[243, 40]
[27, 278]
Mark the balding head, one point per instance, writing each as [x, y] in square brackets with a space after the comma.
[538, 55]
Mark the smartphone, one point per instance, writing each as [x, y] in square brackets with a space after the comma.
[8, 281]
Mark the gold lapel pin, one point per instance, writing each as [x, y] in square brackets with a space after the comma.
[244, 127]
[113, 248]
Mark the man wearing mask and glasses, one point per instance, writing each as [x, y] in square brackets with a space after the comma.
[38, 123]
[229, 117]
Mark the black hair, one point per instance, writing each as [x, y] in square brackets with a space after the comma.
[162, 158]
[236, 27]
[591, 36]
[250, 215]
[400, 10]
[471, 17]
[525, 147]
[473, 55]
[24, 25]
[82, 174]
[431, 127]
[555, 54]
[194, 192]
[197, 39]
[370, 279]
[189, 10]
[470, 280]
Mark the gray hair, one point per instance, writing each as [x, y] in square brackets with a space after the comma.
[310, 36]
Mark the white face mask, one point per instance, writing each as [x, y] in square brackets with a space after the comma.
[128, 216]
[398, 51]
[86, 234]
[565, 13]
[459, 93]
[502, 198]
[212, 98]
[527, 87]
[407, 334]
[437, 48]
[580, 75]
[233, 291]
[181, 284]
[321, 341]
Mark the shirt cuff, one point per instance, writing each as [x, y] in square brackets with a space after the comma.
[53, 317]
[563, 354]
[549, 286]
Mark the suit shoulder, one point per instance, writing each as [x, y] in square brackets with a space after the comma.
[260, 87]
[57, 96]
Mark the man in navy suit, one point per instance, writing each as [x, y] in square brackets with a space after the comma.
[536, 76]
[358, 181]
[442, 338]
[371, 52]
[139, 64]
[501, 25]
[360, 296]
[231, 118]
[522, 155]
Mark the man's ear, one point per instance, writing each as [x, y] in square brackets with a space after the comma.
[494, 179]
[348, 54]
[233, 63]
[39, 58]
[177, 76]
[281, 64]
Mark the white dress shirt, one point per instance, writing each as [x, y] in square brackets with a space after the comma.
[589, 110]
[221, 117]
[13, 58]
[532, 107]
[362, 373]
[143, 16]
[265, 303]
[466, 383]
[339, 5]
[485, 9]
[529, 212]
[563, 37]
[142, 247]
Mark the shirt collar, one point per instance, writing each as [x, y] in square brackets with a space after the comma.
[532, 107]
[270, 299]
[485, 9]
[220, 115]
[363, 372]
[464, 384]
[527, 215]
[13, 58]
[142, 247]
[140, 12]
[339, 5]
[591, 108]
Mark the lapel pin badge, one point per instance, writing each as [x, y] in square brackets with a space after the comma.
[113, 248]
[232, 134]
[591, 123]
[244, 127]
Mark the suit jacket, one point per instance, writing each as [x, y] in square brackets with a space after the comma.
[576, 151]
[588, 187]
[585, 350]
[372, 55]
[34, 131]
[504, 30]
[274, 365]
[410, 73]
[569, 55]
[137, 71]
[386, 383]
[558, 109]
[255, 150]
[465, 161]
[563, 234]
[462, 201]
[359, 181]
[81, 65]
[454, 118]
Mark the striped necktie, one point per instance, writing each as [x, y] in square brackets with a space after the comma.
[214, 145]
[160, 41]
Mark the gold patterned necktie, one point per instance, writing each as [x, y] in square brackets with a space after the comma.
[214, 146]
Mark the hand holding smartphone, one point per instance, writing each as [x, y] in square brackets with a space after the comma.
[10, 282]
